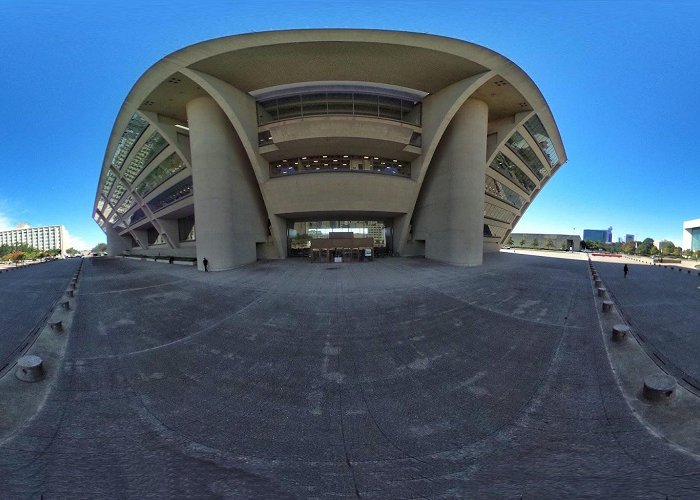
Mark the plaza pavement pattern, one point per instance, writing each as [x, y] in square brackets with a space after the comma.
[399, 378]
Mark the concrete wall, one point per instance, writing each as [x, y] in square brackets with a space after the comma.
[558, 240]
[450, 211]
[229, 213]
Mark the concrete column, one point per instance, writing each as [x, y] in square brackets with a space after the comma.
[451, 211]
[116, 245]
[226, 194]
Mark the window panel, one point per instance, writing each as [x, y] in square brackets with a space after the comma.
[179, 191]
[510, 170]
[117, 193]
[109, 180]
[537, 131]
[520, 147]
[497, 213]
[503, 193]
[151, 148]
[164, 171]
[133, 131]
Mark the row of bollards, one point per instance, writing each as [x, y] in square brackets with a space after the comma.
[657, 387]
[30, 367]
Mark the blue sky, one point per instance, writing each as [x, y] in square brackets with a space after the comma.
[621, 77]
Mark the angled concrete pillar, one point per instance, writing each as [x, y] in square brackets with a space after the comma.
[226, 194]
[450, 211]
[116, 245]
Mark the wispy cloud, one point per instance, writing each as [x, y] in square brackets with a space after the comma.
[5, 222]
[76, 242]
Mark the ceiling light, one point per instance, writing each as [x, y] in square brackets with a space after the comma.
[182, 127]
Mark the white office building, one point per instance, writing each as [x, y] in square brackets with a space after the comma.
[42, 238]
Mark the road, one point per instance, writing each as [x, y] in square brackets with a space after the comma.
[27, 294]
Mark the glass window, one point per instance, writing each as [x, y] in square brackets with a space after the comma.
[366, 105]
[126, 205]
[520, 147]
[288, 107]
[503, 193]
[510, 170]
[494, 212]
[389, 107]
[494, 231]
[117, 193]
[167, 168]
[267, 111]
[340, 163]
[136, 216]
[186, 230]
[133, 131]
[179, 191]
[109, 180]
[314, 104]
[100, 203]
[153, 146]
[340, 103]
[537, 131]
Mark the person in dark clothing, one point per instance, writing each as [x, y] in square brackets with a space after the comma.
[205, 262]
[626, 270]
[171, 259]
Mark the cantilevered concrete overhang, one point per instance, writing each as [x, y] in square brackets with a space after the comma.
[434, 212]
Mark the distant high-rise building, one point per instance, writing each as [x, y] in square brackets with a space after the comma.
[599, 235]
[691, 235]
[629, 238]
[42, 237]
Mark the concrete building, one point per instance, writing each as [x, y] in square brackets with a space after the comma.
[599, 235]
[438, 143]
[546, 241]
[629, 238]
[42, 238]
[691, 235]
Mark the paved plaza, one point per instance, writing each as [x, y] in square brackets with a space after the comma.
[398, 378]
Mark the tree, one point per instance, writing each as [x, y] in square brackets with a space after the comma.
[628, 247]
[535, 243]
[100, 248]
[549, 243]
[510, 241]
[72, 251]
[521, 242]
[17, 256]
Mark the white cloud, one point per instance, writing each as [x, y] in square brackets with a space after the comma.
[5, 223]
[76, 242]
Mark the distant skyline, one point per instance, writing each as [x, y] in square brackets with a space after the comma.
[620, 77]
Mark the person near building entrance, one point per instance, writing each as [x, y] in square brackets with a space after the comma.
[626, 270]
[205, 263]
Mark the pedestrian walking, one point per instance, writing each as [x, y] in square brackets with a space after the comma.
[626, 270]
[205, 262]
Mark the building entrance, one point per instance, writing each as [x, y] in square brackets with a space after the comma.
[353, 234]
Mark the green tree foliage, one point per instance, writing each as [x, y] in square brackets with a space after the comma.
[100, 248]
[535, 243]
[9, 252]
[549, 243]
[72, 251]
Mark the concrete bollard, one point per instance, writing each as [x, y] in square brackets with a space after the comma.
[598, 283]
[69, 293]
[601, 292]
[619, 332]
[65, 304]
[659, 387]
[56, 326]
[607, 306]
[30, 368]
